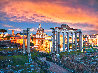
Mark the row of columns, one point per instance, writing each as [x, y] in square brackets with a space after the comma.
[28, 43]
[56, 41]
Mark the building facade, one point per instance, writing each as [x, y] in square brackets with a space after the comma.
[93, 39]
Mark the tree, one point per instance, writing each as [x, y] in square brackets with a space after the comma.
[31, 44]
[3, 30]
[32, 38]
[8, 37]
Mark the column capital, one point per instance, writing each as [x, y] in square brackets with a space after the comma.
[28, 29]
[63, 32]
[80, 31]
[53, 31]
[76, 32]
[67, 32]
[58, 31]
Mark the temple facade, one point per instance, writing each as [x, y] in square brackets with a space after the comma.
[65, 29]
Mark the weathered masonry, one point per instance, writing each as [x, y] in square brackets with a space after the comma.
[65, 29]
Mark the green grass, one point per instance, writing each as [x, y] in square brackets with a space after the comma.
[19, 59]
[70, 53]
[14, 60]
[8, 49]
[91, 50]
[35, 54]
[3, 57]
[95, 49]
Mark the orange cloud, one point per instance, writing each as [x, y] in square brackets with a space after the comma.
[37, 12]
[85, 28]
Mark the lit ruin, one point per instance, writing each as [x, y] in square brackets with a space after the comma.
[56, 38]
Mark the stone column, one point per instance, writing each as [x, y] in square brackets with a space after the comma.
[63, 42]
[58, 42]
[52, 45]
[23, 42]
[68, 41]
[80, 41]
[72, 40]
[53, 40]
[28, 40]
[75, 40]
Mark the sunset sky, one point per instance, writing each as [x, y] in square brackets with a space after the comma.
[22, 14]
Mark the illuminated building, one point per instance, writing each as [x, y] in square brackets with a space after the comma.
[93, 39]
[40, 37]
[47, 44]
[85, 41]
[13, 32]
[18, 38]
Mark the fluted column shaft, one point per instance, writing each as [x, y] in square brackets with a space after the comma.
[68, 41]
[58, 42]
[72, 40]
[63, 42]
[53, 40]
[80, 40]
[75, 40]
[52, 45]
[28, 40]
[23, 42]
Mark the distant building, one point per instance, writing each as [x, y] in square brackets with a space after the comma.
[41, 40]
[40, 35]
[18, 39]
[13, 32]
[85, 41]
[93, 39]
[40, 32]
[7, 44]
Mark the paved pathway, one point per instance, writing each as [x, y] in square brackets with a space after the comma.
[55, 68]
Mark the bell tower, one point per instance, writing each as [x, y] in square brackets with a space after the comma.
[39, 25]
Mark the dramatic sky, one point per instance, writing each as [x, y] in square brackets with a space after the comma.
[22, 14]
